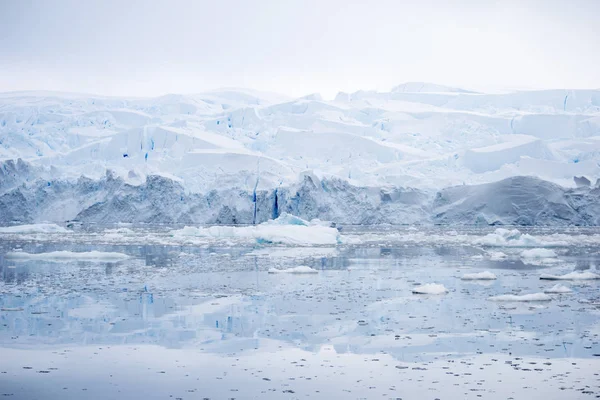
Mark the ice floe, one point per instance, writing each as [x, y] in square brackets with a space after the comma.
[558, 289]
[479, 276]
[572, 276]
[300, 270]
[34, 228]
[430, 288]
[524, 297]
[538, 253]
[497, 255]
[92, 256]
[514, 238]
[286, 229]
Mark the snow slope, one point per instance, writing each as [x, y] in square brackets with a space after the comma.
[400, 157]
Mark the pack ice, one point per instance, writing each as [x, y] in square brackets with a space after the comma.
[420, 153]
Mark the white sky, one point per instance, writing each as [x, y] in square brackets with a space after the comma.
[146, 48]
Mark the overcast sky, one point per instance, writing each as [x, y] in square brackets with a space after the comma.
[145, 48]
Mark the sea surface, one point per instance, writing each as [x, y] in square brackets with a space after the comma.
[210, 321]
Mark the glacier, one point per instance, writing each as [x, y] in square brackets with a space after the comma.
[418, 154]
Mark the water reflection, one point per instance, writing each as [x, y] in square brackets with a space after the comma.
[360, 302]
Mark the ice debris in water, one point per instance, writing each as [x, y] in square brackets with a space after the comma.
[301, 270]
[524, 297]
[572, 276]
[430, 288]
[34, 228]
[287, 229]
[512, 238]
[94, 256]
[483, 276]
[538, 253]
[558, 289]
[497, 255]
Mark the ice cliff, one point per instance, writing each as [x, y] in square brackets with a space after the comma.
[420, 153]
[159, 199]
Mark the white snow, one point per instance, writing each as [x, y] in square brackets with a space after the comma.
[300, 270]
[91, 256]
[524, 297]
[538, 253]
[558, 289]
[34, 228]
[430, 288]
[572, 276]
[286, 229]
[493, 157]
[417, 134]
[483, 276]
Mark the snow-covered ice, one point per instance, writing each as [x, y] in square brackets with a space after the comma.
[237, 156]
[286, 229]
[93, 256]
[503, 237]
[300, 270]
[572, 276]
[34, 228]
[483, 276]
[558, 289]
[523, 297]
[538, 253]
[497, 255]
[430, 288]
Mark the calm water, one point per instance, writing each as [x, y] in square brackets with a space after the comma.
[211, 322]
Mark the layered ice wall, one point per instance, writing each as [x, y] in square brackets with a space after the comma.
[421, 153]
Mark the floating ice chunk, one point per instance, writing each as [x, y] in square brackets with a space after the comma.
[480, 276]
[497, 255]
[430, 288]
[572, 276]
[92, 256]
[558, 289]
[538, 253]
[524, 297]
[513, 238]
[34, 228]
[119, 230]
[301, 270]
[296, 232]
